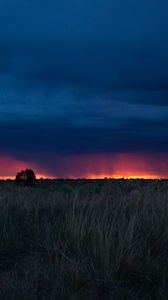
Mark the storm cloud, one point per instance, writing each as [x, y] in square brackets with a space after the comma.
[82, 78]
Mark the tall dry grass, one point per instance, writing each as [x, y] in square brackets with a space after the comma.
[84, 240]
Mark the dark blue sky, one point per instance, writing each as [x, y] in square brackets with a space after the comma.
[82, 77]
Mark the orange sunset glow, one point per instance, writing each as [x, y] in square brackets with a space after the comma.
[93, 166]
[118, 165]
[125, 176]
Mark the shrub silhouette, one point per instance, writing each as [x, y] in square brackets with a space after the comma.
[26, 177]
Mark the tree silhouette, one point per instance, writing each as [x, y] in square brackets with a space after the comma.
[26, 177]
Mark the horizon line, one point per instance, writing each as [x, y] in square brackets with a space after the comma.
[12, 178]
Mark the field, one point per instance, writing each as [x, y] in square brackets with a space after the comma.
[97, 239]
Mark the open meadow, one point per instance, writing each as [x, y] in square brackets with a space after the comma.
[84, 239]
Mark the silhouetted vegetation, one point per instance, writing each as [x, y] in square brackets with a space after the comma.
[85, 239]
[26, 177]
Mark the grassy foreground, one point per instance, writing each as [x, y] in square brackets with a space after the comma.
[84, 240]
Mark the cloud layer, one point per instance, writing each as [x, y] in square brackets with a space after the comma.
[83, 78]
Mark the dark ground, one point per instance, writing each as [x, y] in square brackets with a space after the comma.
[97, 239]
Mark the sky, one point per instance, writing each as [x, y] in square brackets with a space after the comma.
[84, 88]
